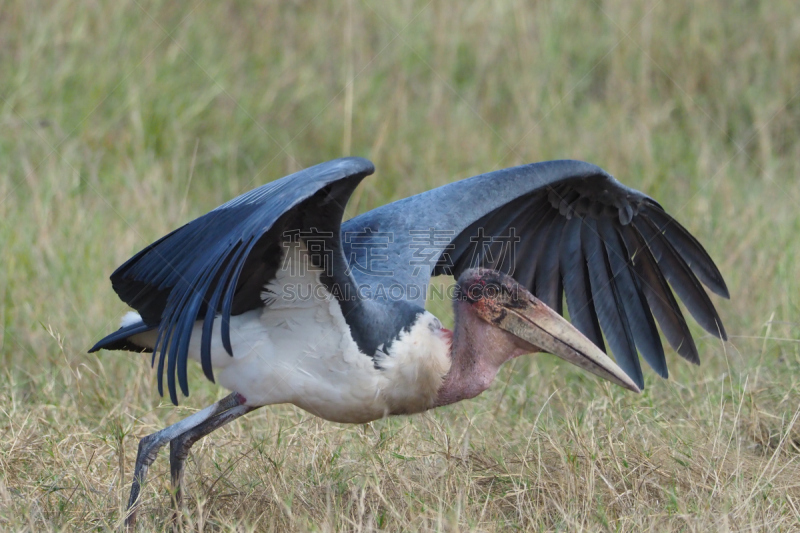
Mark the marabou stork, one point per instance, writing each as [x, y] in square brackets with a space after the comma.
[282, 302]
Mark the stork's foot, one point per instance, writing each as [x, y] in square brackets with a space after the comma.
[178, 452]
[151, 444]
[180, 445]
[148, 450]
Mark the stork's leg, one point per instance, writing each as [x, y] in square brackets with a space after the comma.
[149, 445]
[180, 445]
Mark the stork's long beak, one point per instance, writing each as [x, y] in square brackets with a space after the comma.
[531, 320]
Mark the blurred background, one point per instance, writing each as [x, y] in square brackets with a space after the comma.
[120, 121]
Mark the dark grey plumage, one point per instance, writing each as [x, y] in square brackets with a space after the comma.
[609, 250]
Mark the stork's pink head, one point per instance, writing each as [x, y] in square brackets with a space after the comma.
[498, 319]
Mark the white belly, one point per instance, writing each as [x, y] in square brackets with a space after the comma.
[299, 350]
[296, 357]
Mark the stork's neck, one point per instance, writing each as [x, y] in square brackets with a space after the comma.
[477, 352]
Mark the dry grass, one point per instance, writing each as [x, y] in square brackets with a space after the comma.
[119, 121]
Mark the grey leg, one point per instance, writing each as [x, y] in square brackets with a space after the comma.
[179, 446]
[149, 446]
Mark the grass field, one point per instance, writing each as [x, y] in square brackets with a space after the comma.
[120, 121]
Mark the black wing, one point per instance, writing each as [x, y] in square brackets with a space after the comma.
[559, 228]
[218, 263]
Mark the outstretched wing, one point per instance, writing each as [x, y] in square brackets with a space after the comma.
[218, 263]
[559, 228]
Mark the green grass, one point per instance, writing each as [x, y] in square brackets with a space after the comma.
[121, 120]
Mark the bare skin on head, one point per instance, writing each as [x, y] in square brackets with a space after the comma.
[497, 320]
[478, 351]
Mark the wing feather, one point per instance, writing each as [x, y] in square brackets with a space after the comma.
[659, 296]
[689, 249]
[609, 305]
[532, 248]
[681, 278]
[547, 280]
[633, 301]
[211, 310]
[576, 283]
